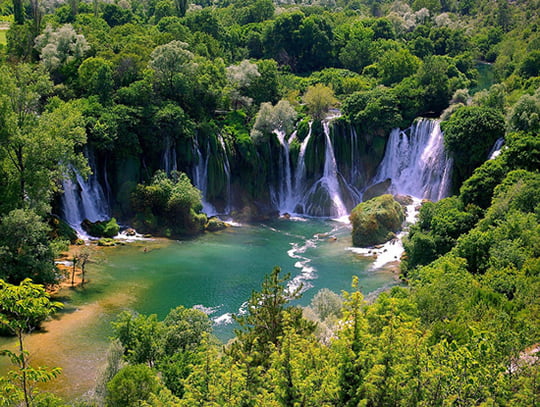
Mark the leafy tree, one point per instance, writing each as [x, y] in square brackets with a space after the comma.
[131, 386]
[184, 329]
[40, 146]
[375, 111]
[22, 308]
[59, 47]
[25, 248]
[280, 117]
[262, 327]
[468, 136]
[525, 114]
[96, 78]
[169, 199]
[432, 76]
[140, 336]
[319, 99]
[169, 63]
[397, 65]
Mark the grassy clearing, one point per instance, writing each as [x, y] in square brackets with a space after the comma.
[3, 37]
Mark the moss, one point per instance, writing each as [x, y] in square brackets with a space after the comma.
[106, 242]
[375, 221]
[108, 228]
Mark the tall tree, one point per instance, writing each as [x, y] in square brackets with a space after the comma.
[22, 308]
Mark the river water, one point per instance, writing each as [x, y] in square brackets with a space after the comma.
[215, 272]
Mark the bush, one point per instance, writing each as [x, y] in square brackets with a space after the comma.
[376, 220]
[107, 228]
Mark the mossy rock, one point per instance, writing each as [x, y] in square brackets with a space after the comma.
[106, 228]
[375, 221]
[106, 242]
[215, 224]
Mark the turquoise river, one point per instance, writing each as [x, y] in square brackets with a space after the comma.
[215, 272]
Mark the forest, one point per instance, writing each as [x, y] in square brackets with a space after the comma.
[138, 94]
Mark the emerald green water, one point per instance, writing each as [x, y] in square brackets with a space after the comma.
[217, 271]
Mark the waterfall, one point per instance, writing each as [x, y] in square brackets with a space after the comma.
[496, 149]
[200, 178]
[227, 170]
[416, 163]
[320, 197]
[84, 199]
[169, 156]
[284, 197]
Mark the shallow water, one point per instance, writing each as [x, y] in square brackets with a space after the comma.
[216, 272]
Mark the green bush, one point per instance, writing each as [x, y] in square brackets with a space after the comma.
[376, 220]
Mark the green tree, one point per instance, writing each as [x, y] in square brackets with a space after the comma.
[132, 386]
[468, 136]
[25, 248]
[23, 308]
[319, 99]
[140, 336]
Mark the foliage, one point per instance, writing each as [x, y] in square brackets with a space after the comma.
[131, 385]
[468, 136]
[107, 228]
[22, 308]
[169, 202]
[269, 119]
[376, 220]
[25, 249]
[319, 99]
[61, 47]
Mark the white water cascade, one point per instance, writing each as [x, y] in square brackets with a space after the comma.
[200, 178]
[416, 163]
[227, 170]
[169, 156]
[83, 199]
[496, 149]
[283, 198]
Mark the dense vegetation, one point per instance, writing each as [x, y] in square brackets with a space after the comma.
[122, 80]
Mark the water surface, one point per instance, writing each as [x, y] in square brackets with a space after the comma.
[216, 272]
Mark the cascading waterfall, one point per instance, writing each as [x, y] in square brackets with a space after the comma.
[496, 149]
[328, 184]
[169, 156]
[227, 170]
[283, 197]
[84, 199]
[416, 163]
[200, 178]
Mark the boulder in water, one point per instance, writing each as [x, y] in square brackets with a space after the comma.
[106, 228]
[375, 221]
[377, 190]
[215, 224]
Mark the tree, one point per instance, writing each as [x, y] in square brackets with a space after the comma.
[319, 99]
[23, 308]
[280, 117]
[25, 249]
[60, 47]
[131, 386]
[140, 336]
[468, 136]
[184, 329]
[395, 65]
[525, 114]
[262, 327]
[168, 62]
[40, 146]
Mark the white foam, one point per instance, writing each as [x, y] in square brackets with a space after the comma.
[393, 249]
[224, 319]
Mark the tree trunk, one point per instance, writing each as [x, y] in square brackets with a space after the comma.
[22, 367]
